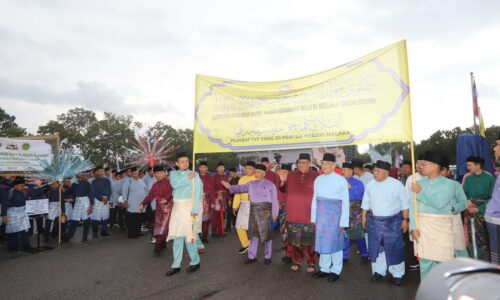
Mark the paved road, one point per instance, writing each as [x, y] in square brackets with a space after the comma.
[117, 267]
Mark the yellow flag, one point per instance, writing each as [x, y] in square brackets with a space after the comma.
[482, 130]
[364, 101]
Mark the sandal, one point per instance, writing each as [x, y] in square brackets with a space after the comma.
[310, 269]
[295, 267]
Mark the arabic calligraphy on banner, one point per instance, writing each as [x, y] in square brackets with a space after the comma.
[365, 101]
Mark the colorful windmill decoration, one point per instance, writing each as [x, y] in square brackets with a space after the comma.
[148, 151]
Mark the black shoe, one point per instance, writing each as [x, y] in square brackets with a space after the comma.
[85, 242]
[227, 230]
[333, 277]
[205, 241]
[156, 252]
[397, 281]
[173, 271]
[249, 261]
[376, 277]
[320, 274]
[267, 261]
[46, 240]
[122, 229]
[215, 235]
[140, 234]
[286, 260]
[364, 260]
[346, 261]
[94, 236]
[415, 267]
[243, 250]
[192, 269]
[105, 234]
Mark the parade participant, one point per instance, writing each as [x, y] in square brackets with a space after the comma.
[270, 174]
[101, 189]
[492, 214]
[478, 188]
[185, 222]
[34, 191]
[230, 218]
[410, 257]
[385, 214]
[355, 231]
[134, 190]
[264, 208]
[330, 214]
[440, 235]
[405, 171]
[149, 215]
[445, 169]
[284, 170]
[54, 212]
[161, 192]
[220, 201]
[116, 211]
[299, 188]
[360, 173]
[209, 197]
[69, 202]
[242, 206]
[15, 218]
[84, 203]
[368, 168]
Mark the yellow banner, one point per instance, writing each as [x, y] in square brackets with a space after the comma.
[364, 101]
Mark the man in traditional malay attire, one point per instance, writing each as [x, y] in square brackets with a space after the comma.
[330, 214]
[264, 209]
[478, 188]
[208, 198]
[15, 218]
[492, 214]
[242, 206]
[185, 221]
[385, 214]
[220, 201]
[161, 193]
[355, 231]
[101, 189]
[134, 190]
[284, 171]
[299, 188]
[439, 236]
[54, 213]
[84, 203]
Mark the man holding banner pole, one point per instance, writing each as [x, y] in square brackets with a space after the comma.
[185, 221]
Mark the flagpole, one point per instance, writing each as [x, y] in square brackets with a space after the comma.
[474, 102]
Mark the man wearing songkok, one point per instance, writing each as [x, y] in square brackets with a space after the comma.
[385, 215]
[84, 203]
[15, 218]
[492, 214]
[220, 201]
[101, 189]
[284, 171]
[161, 193]
[360, 173]
[208, 198]
[264, 209]
[54, 212]
[439, 234]
[330, 214]
[242, 206]
[230, 217]
[299, 188]
[478, 188]
[185, 222]
[355, 231]
[133, 192]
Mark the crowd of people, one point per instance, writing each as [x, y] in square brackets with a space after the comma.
[318, 214]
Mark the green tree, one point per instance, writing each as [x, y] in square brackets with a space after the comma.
[9, 127]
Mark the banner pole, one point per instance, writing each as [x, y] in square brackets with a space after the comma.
[60, 192]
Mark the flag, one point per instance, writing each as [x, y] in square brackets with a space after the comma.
[474, 97]
[364, 101]
[482, 130]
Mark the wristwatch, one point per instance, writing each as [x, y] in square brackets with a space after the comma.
[406, 219]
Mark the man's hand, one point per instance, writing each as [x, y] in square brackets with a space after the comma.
[349, 186]
[212, 206]
[5, 219]
[416, 188]
[235, 211]
[415, 234]
[226, 184]
[363, 222]
[141, 207]
[193, 215]
[404, 226]
[275, 218]
[89, 210]
[283, 174]
[191, 175]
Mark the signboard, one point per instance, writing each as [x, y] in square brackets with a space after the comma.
[37, 207]
[22, 155]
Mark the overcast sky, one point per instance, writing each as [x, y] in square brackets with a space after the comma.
[141, 57]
